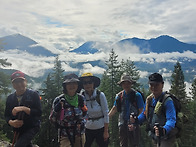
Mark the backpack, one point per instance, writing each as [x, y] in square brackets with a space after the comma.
[132, 98]
[54, 117]
[181, 118]
[97, 98]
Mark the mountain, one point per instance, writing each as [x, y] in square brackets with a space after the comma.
[160, 44]
[151, 59]
[22, 43]
[86, 48]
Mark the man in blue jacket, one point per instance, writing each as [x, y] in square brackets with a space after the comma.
[23, 111]
[161, 122]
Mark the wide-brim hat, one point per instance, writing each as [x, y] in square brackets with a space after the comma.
[96, 80]
[126, 78]
[71, 78]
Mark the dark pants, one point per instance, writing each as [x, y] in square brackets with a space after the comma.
[129, 138]
[169, 142]
[24, 138]
[97, 135]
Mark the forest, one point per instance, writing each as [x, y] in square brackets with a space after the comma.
[47, 137]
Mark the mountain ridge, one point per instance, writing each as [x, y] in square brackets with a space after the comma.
[23, 43]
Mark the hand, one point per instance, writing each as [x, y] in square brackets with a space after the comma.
[16, 110]
[159, 131]
[19, 109]
[16, 123]
[132, 120]
[156, 130]
[131, 127]
[105, 135]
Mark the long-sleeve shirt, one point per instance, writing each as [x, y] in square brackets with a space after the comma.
[96, 110]
[128, 107]
[170, 113]
[29, 99]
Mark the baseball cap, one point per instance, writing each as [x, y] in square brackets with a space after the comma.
[17, 75]
[155, 78]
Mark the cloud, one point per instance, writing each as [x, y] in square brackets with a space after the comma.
[93, 69]
[68, 24]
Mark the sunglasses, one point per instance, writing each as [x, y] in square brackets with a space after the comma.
[87, 82]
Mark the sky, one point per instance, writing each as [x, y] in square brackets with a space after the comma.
[63, 25]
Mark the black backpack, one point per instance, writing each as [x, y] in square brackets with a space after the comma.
[132, 98]
[181, 118]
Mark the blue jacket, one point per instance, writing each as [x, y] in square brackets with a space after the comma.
[169, 117]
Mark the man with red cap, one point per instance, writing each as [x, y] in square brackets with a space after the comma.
[23, 111]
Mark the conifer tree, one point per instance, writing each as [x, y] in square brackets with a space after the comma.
[192, 115]
[53, 87]
[58, 75]
[193, 90]
[110, 88]
[4, 90]
[129, 67]
[178, 85]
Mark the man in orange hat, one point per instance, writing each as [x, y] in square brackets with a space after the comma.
[23, 111]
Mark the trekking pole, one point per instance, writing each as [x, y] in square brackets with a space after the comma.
[133, 115]
[13, 141]
[16, 134]
[158, 137]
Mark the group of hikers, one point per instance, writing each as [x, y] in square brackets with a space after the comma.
[81, 113]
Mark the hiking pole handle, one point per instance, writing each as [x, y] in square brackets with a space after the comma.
[158, 137]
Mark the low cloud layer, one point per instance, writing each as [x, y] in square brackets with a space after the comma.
[36, 65]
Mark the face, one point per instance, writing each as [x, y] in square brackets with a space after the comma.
[156, 88]
[88, 84]
[71, 88]
[19, 85]
[126, 86]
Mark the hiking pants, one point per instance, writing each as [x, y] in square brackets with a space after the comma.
[170, 142]
[129, 138]
[97, 135]
[166, 143]
[24, 138]
[79, 141]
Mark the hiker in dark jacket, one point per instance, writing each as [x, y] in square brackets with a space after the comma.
[70, 112]
[23, 111]
[98, 118]
[127, 102]
[163, 135]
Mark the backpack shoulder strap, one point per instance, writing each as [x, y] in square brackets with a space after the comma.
[148, 102]
[80, 100]
[119, 100]
[98, 97]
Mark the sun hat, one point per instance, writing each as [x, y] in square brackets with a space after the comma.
[125, 77]
[70, 78]
[17, 75]
[155, 78]
[96, 80]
